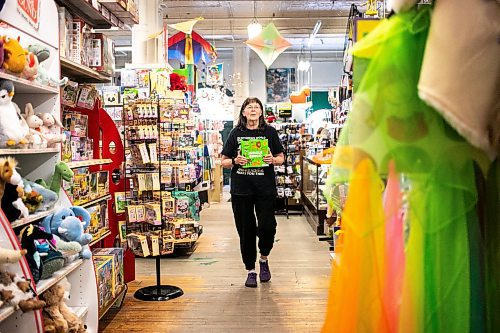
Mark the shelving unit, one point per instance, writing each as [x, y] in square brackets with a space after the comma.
[85, 10]
[79, 311]
[82, 73]
[118, 7]
[23, 86]
[100, 238]
[43, 285]
[314, 208]
[6, 312]
[81, 164]
[32, 218]
[39, 164]
[29, 151]
[91, 202]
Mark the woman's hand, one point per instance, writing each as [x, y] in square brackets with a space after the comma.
[268, 159]
[240, 160]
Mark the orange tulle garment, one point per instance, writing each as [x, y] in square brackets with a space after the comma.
[358, 276]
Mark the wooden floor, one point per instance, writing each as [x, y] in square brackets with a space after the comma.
[212, 278]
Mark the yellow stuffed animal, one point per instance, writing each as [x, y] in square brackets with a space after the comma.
[15, 55]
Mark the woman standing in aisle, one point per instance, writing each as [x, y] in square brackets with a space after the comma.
[253, 190]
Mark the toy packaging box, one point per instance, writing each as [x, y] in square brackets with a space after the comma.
[76, 123]
[80, 186]
[102, 59]
[103, 183]
[99, 221]
[116, 254]
[104, 275]
[254, 151]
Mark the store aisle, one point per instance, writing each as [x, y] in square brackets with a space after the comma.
[212, 278]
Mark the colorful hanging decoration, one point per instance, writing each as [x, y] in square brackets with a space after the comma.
[269, 44]
[189, 48]
[186, 26]
[433, 286]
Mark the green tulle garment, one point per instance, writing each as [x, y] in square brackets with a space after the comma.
[389, 122]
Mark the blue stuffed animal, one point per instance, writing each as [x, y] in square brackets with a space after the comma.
[70, 225]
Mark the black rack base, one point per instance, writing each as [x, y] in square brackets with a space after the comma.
[158, 293]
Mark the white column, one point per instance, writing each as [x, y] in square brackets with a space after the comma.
[145, 51]
[241, 77]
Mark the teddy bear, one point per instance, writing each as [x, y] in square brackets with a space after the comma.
[70, 225]
[50, 129]
[8, 256]
[58, 318]
[11, 190]
[16, 291]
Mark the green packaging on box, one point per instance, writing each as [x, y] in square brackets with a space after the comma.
[254, 151]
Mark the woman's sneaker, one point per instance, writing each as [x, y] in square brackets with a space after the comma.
[265, 273]
[251, 280]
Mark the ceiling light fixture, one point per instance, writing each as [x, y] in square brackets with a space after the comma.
[314, 33]
[254, 28]
[304, 63]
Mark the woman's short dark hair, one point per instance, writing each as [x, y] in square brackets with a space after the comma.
[242, 120]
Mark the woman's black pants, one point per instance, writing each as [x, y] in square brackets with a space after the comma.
[245, 208]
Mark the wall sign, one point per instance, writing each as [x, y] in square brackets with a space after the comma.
[285, 110]
[30, 10]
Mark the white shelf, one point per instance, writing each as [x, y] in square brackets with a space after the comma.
[6, 312]
[79, 311]
[91, 202]
[32, 218]
[104, 235]
[82, 73]
[43, 285]
[81, 164]
[23, 86]
[6, 151]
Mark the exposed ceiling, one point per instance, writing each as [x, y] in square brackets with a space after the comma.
[295, 19]
[225, 21]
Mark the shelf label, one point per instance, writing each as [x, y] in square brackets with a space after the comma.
[30, 10]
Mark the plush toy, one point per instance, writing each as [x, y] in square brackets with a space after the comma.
[16, 291]
[37, 198]
[8, 256]
[14, 55]
[70, 224]
[43, 77]
[36, 138]
[301, 96]
[51, 129]
[28, 237]
[56, 314]
[1, 50]
[61, 172]
[11, 190]
[177, 82]
[31, 68]
[11, 130]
